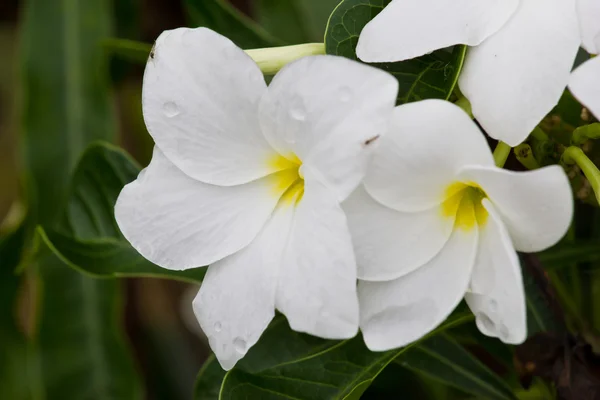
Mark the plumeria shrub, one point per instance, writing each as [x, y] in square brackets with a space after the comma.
[373, 199]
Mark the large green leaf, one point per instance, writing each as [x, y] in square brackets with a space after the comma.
[285, 364]
[222, 17]
[443, 359]
[82, 351]
[88, 238]
[66, 102]
[433, 76]
[295, 21]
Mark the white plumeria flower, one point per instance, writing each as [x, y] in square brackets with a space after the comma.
[585, 80]
[521, 56]
[249, 179]
[435, 221]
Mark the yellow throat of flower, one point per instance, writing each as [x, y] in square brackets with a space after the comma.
[463, 201]
[288, 183]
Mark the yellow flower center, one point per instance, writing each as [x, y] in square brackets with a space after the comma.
[288, 183]
[463, 201]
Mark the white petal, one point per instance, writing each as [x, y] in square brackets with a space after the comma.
[179, 223]
[236, 301]
[514, 78]
[420, 156]
[589, 24]
[326, 110]
[398, 312]
[200, 101]
[497, 296]
[410, 28]
[317, 282]
[388, 243]
[536, 206]
[585, 85]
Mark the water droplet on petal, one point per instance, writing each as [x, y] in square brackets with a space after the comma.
[170, 109]
[486, 322]
[493, 306]
[240, 345]
[218, 327]
[297, 109]
[346, 94]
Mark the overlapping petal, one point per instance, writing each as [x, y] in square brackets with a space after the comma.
[204, 117]
[585, 85]
[427, 143]
[179, 223]
[536, 206]
[514, 78]
[398, 312]
[497, 296]
[410, 28]
[388, 243]
[589, 17]
[317, 277]
[237, 299]
[326, 110]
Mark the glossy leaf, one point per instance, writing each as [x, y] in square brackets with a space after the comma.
[225, 19]
[433, 76]
[295, 21]
[285, 364]
[80, 340]
[110, 258]
[88, 238]
[443, 359]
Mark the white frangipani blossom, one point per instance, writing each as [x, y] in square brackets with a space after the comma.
[585, 80]
[435, 221]
[520, 59]
[249, 179]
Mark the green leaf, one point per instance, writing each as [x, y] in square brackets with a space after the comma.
[88, 238]
[433, 76]
[295, 21]
[443, 359]
[110, 258]
[15, 382]
[208, 382]
[285, 364]
[567, 254]
[79, 338]
[225, 19]
[129, 50]
[67, 103]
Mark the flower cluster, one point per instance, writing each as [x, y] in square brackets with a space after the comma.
[315, 196]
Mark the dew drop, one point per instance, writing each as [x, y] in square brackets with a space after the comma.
[170, 109]
[486, 322]
[218, 327]
[240, 345]
[493, 306]
[346, 94]
[297, 113]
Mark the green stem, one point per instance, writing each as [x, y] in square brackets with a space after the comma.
[539, 134]
[501, 154]
[583, 133]
[574, 155]
[271, 60]
[465, 104]
[524, 154]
